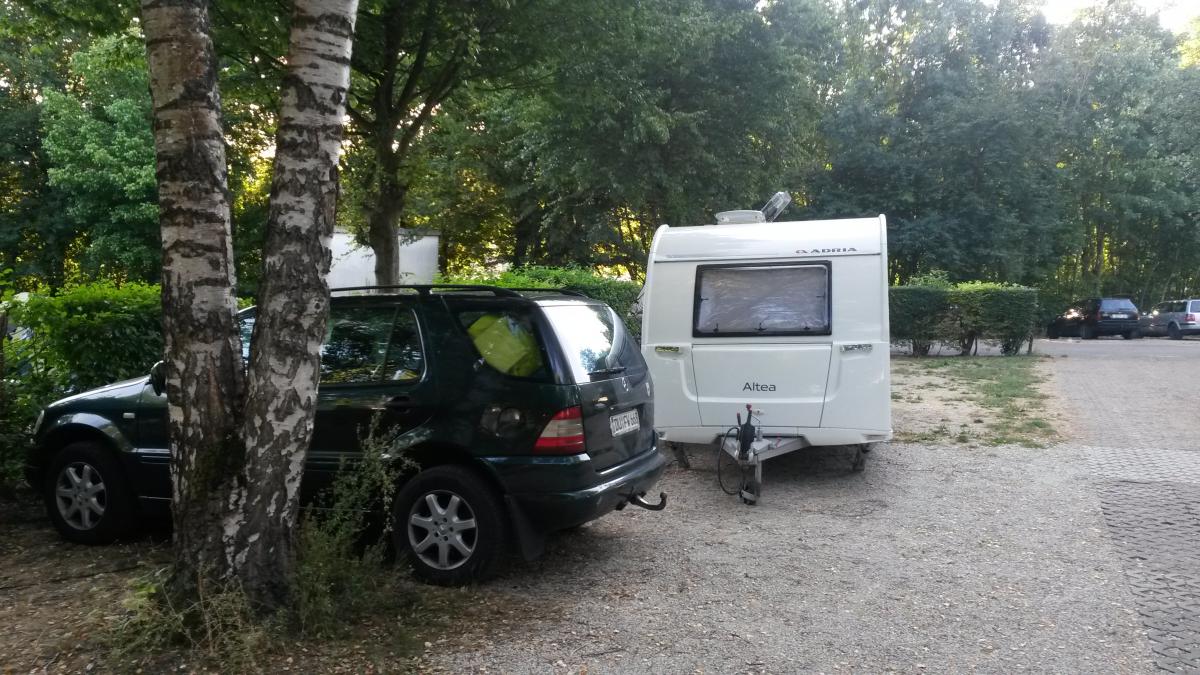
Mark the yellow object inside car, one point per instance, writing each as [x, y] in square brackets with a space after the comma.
[506, 345]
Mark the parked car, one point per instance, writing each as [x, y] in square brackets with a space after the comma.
[1096, 317]
[1174, 319]
[533, 413]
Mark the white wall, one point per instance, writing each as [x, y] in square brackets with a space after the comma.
[355, 266]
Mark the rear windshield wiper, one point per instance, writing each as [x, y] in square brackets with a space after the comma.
[615, 370]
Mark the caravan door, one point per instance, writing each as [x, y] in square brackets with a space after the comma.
[761, 336]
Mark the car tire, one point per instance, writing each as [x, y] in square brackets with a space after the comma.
[1131, 335]
[87, 495]
[1174, 333]
[1052, 332]
[450, 526]
[1086, 332]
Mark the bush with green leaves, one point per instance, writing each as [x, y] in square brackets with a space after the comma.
[621, 295]
[94, 334]
[962, 314]
[918, 316]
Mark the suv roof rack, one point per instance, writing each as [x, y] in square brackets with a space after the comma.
[428, 289]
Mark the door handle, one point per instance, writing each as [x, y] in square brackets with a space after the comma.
[399, 403]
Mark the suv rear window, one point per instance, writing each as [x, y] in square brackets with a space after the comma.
[507, 341]
[1195, 304]
[746, 300]
[1117, 305]
[594, 341]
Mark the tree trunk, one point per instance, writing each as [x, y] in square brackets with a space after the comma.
[384, 220]
[205, 381]
[293, 299]
[238, 451]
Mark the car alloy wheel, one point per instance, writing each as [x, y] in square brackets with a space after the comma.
[442, 530]
[80, 495]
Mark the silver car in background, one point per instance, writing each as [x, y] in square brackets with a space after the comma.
[1174, 318]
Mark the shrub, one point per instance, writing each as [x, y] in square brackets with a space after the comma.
[962, 315]
[619, 294]
[919, 316]
[994, 311]
[91, 335]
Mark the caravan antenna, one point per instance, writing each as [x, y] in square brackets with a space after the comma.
[775, 206]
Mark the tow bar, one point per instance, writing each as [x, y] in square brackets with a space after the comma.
[640, 500]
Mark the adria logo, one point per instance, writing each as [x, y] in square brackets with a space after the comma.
[816, 251]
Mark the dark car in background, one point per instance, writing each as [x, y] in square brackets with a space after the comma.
[1096, 317]
[1174, 319]
[526, 413]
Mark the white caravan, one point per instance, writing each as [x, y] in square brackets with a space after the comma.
[788, 318]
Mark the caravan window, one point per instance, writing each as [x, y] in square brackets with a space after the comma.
[762, 299]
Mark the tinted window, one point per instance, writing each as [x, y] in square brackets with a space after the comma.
[246, 325]
[594, 341]
[371, 344]
[1117, 305]
[762, 300]
[508, 341]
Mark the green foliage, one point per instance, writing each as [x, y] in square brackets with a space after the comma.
[337, 576]
[98, 138]
[984, 310]
[94, 334]
[619, 294]
[962, 314]
[918, 316]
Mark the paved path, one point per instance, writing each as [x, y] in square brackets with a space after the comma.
[1138, 407]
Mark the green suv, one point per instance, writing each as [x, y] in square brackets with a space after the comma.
[527, 412]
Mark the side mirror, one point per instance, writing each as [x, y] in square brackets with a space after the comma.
[158, 377]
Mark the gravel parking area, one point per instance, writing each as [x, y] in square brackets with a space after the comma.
[1138, 406]
[936, 559]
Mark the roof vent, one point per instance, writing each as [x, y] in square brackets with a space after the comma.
[742, 216]
[770, 211]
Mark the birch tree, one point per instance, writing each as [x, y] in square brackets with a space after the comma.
[238, 436]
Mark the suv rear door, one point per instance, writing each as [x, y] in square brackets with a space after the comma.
[373, 362]
[606, 364]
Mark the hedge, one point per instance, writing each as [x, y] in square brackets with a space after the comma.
[95, 334]
[962, 315]
[619, 294]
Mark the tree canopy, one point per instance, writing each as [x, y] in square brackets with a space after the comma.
[1000, 147]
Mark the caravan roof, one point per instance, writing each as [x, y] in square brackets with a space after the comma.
[759, 241]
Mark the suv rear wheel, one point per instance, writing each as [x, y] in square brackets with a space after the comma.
[1174, 333]
[86, 495]
[450, 526]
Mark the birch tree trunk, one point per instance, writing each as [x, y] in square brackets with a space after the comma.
[293, 302]
[238, 443]
[205, 381]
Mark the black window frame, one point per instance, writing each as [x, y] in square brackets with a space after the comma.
[700, 269]
[396, 307]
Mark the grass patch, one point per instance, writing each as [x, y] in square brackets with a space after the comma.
[1008, 389]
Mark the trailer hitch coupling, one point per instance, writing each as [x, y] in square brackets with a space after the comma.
[639, 500]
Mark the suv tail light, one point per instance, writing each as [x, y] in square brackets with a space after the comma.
[1191, 318]
[563, 434]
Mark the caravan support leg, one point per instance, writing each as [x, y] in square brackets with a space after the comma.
[680, 455]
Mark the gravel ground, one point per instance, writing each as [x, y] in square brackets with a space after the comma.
[1137, 402]
[936, 559]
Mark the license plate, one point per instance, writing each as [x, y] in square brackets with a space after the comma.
[1119, 316]
[624, 423]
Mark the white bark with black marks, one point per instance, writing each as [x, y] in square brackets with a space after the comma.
[238, 443]
[205, 381]
[294, 297]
